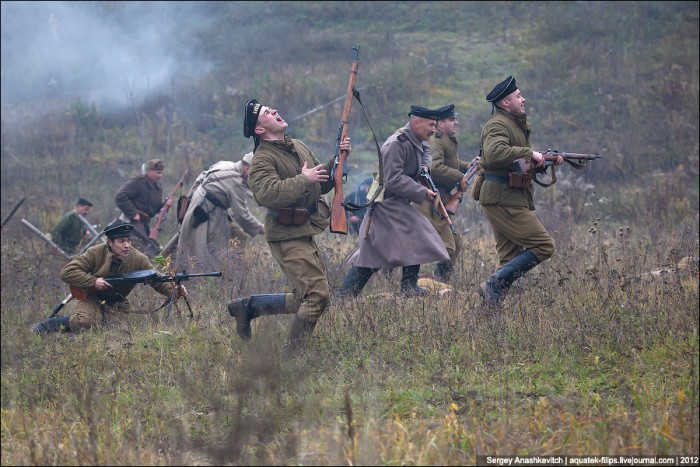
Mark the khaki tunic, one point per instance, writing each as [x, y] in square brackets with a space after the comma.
[206, 244]
[68, 233]
[98, 261]
[510, 211]
[277, 182]
[399, 235]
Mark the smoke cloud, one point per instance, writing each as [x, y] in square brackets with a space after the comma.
[111, 54]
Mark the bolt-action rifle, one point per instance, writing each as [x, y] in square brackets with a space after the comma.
[523, 166]
[153, 234]
[472, 169]
[339, 173]
[428, 182]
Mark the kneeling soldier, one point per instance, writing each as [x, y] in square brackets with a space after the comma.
[105, 301]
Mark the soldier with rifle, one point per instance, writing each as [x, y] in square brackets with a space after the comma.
[140, 199]
[102, 301]
[393, 233]
[447, 171]
[288, 180]
[506, 197]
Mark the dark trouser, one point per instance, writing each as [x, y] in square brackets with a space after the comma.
[357, 278]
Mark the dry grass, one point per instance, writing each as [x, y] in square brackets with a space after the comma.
[585, 358]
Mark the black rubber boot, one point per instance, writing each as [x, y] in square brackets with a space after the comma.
[443, 271]
[53, 325]
[355, 281]
[247, 309]
[495, 288]
[299, 334]
[409, 282]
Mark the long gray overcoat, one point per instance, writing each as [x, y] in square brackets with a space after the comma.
[398, 234]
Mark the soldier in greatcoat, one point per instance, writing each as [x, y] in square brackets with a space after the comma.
[522, 242]
[288, 180]
[205, 230]
[105, 302]
[398, 234]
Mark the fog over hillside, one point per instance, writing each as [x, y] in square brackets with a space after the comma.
[107, 53]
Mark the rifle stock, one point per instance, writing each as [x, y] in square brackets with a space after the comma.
[153, 234]
[339, 223]
[454, 202]
[428, 182]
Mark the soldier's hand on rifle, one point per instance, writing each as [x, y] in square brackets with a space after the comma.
[537, 159]
[431, 195]
[101, 284]
[463, 185]
[559, 160]
[345, 145]
[315, 174]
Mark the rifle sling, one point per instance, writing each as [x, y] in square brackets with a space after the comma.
[356, 207]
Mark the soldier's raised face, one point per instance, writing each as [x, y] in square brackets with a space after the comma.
[120, 246]
[423, 128]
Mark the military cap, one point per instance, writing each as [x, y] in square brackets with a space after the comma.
[83, 202]
[250, 118]
[248, 158]
[446, 112]
[423, 112]
[502, 89]
[155, 164]
[118, 229]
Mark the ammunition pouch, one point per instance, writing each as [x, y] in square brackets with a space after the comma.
[293, 216]
[199, 216]
[476, 186]
[519, 181]
[182, 203]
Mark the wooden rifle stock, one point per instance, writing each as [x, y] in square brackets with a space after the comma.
[428, 182]
[339, 222]
[452, 205]
[153, 234]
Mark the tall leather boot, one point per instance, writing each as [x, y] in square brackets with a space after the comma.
[495, 288]
[299, 334]
[409, 282]
[443, 271]
[60, 323]
[355, 281]
[247, 309]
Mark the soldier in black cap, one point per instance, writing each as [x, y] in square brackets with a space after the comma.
[288, 180]
[103, 302]
[522, 242]
[447, 171]
[398, 234]
[70, 230]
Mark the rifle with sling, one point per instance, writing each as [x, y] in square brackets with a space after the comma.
[454, 202]
[339, 173]
[428, 182]
[526, 167]
[153, 234]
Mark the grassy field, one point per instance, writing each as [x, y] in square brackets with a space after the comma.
[594, 353]
[588, 357]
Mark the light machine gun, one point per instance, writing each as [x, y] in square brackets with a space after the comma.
[145, 276]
